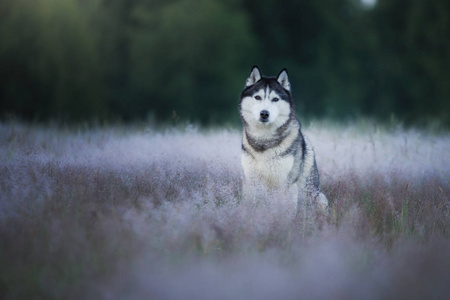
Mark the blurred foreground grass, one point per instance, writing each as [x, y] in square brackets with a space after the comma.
[132, 212]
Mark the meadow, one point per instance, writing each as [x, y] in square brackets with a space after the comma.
[139, 212]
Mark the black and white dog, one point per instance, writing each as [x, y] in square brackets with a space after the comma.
[274, 150]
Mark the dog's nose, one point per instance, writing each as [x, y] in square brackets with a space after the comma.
[264, 115]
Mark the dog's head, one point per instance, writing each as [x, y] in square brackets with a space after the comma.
[266, 101]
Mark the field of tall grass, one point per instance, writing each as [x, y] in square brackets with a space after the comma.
[134, 212]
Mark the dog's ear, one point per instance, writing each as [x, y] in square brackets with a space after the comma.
[283, 79]
[255, 76]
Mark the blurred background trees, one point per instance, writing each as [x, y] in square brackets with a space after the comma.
[136, 59]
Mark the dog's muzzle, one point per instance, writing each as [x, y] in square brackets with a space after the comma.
[264, 116]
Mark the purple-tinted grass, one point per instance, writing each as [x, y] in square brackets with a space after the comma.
[136, 213]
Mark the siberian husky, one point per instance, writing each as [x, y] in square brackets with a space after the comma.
[275, 153]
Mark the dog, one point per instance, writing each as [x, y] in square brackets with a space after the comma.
[274, 150]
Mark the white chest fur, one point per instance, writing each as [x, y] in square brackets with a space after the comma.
[267, 167]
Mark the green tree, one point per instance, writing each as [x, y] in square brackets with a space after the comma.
[189, 57]
[414, 56]
[323, 44]
[49, 63]
[111, 23]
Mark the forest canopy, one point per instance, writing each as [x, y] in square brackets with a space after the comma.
[129, 60]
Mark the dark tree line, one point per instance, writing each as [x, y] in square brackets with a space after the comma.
[135, 59]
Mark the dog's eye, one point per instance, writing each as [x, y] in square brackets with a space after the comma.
[257, 97]
[275, 99]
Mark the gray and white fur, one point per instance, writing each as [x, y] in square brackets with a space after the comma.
[274, 150]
